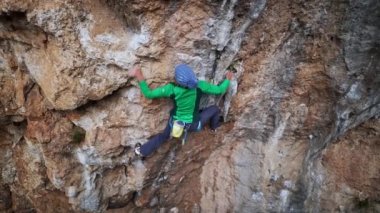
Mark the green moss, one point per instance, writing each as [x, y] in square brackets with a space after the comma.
[233, 66]
[78, 135]
[362, 204]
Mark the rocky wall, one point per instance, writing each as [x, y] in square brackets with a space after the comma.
[301, 115]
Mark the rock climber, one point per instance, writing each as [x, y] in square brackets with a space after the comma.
[185, 115]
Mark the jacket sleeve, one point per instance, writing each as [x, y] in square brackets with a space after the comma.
[214, 89]
[159, 92]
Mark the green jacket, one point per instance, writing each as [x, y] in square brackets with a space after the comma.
[186, 101]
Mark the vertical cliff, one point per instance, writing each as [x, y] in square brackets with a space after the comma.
[301, 131]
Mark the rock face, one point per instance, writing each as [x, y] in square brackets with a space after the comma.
[302, 130]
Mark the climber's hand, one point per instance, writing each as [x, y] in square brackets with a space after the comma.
[229, 75]
[132, 72]
[136, 72]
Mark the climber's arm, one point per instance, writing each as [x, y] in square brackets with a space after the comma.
[213, 89]
[160, 92]
[216, 89]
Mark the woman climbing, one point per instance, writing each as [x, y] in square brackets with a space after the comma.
[185, 115]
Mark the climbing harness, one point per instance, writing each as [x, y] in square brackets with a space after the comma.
[187, 128]
[180, 129]
[177, 129]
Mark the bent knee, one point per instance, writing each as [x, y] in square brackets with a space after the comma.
[215, 108]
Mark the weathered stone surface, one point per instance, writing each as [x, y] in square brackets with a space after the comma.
[302, 112]
[14, 83]
[349, 170]
[7, 166]
[75, 55]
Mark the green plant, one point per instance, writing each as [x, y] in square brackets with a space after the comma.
[362, 204]
[78, 135]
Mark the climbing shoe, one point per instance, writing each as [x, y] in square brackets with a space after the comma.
[213, 131]
[137, 149]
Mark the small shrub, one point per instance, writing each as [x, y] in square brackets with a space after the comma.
[362, 204]
[78, 134]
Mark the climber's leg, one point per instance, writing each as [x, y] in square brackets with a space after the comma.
[210, 115]
[156, 141]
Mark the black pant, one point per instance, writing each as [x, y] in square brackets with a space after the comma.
[209, 114]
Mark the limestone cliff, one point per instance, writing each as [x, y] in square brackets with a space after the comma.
[301, 131]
